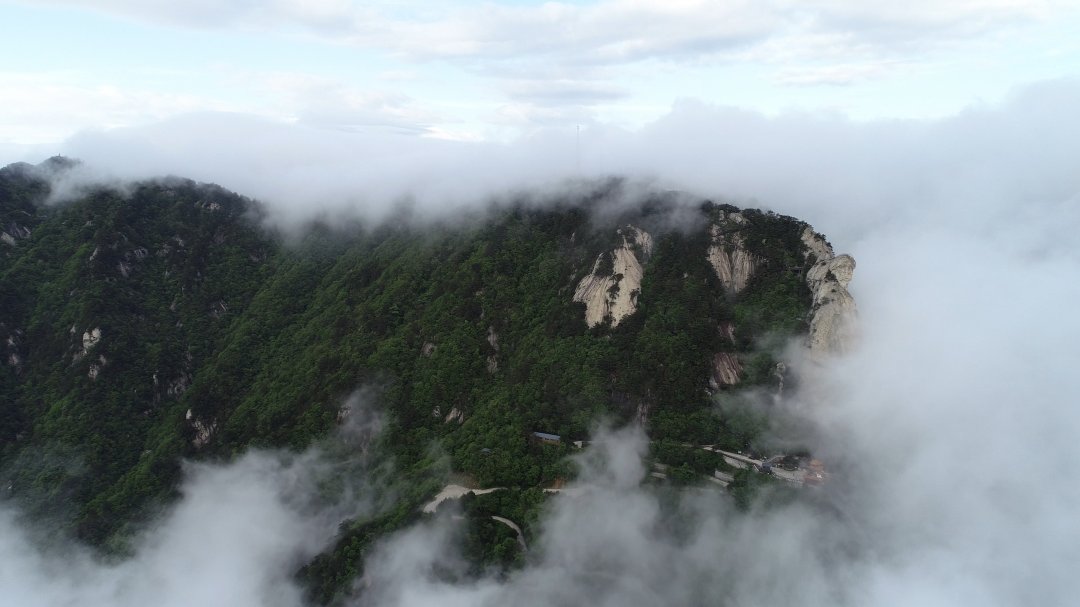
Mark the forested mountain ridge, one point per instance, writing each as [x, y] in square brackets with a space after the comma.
[166, 321]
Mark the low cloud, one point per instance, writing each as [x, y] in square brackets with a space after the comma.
[931, 430]
[235, 538]
[970, 171]
[237, 535]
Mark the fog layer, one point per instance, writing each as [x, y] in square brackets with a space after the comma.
[235, 538]
[845, 177]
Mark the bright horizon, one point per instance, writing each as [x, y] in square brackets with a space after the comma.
[503, 71]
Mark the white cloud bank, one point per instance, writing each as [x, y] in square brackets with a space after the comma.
[235, 538]
[844, 176]
[953, 427]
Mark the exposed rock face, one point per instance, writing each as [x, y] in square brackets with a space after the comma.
[493, 341]
[178, 386]
[728, 255]
[13, 233]
[616, 295]
[343, 414]
[203, 430]
[90, 338]
[454, 415]
[219, 309]
[817, 244]
[832, 321]
[642, 414]
[95, 368]
[12, 347]
[780, 373]
[727, 330]
[726, 370]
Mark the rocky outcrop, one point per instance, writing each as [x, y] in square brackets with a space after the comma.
[455, 415]
[614, 296]
[177, 387]
[734, 265]
[780, 373]
[14, 233]
[13, 347]
[493, 341]
[343, 413]
[219, 309]
[816, 244]
[96, 367]
[727, 331]
[203, 430]
[833, 315]
[726, 370]
[90, 339]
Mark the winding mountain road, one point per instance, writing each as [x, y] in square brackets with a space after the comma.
[511, 524]
[453, 492]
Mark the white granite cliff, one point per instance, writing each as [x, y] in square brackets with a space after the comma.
[728, 255]
[616, 295]
[833, 315]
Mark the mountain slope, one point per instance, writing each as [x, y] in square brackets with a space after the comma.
[165, 322]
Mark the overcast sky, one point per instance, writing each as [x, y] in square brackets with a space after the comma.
[500, 71]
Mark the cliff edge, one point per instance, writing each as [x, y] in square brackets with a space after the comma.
[833, 315]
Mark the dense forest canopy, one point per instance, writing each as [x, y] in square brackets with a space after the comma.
[165, 322]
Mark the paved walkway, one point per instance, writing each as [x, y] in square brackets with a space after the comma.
[511, 524]
[453, 492]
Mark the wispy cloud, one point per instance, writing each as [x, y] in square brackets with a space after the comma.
[47, 107]
[796, 162]
[835, 75]
[214, 547]
[494, 70]
[611, 31]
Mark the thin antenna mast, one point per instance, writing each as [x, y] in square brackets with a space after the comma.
[577, 149]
